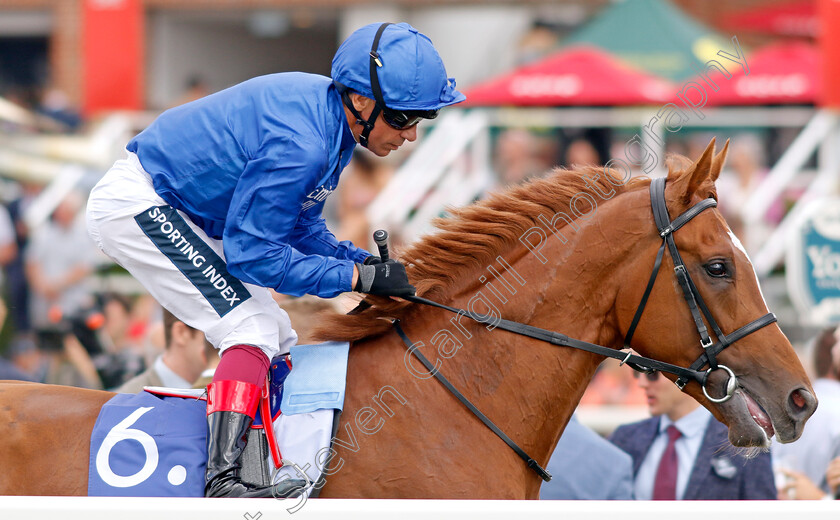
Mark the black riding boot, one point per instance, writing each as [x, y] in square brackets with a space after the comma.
[226, 439]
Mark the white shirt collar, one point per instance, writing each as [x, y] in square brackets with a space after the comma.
[168, 377]
[689, 425]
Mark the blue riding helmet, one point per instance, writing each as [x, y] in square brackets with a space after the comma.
[397, 67]
[410, 72]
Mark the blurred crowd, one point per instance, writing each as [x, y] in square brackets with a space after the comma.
[59, 327]
[522, 154]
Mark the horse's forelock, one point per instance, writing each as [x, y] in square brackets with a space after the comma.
[678, 166]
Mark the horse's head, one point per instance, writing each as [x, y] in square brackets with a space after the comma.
[773, 393]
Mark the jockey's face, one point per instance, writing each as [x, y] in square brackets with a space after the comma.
[384, 138]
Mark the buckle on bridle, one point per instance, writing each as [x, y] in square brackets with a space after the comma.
[628, 356]
[667, 231]
[706, 345]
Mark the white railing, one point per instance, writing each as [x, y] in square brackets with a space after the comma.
[449, 167]
[60, 162]
[789, 164]
[822, 134]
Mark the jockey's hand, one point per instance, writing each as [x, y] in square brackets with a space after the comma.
[384, 279]
[372, 260]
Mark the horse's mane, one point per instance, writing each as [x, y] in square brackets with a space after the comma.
[471, 238]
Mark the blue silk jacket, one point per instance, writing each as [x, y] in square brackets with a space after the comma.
[252, 165]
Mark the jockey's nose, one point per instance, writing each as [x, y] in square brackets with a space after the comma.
[409, 134]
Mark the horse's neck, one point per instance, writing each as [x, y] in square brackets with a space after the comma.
[529, 388]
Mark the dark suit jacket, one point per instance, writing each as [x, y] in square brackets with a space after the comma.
[720, 472]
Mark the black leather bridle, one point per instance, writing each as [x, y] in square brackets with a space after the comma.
[696, 305]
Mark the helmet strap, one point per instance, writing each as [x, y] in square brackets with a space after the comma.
[375, 62]
[360, 120]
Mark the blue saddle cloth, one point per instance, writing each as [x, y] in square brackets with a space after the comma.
[153, 445]
[145, 445]
[318, 378]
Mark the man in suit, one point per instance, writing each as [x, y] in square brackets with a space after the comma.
[585, 466]
[682, 452]
[184, 357]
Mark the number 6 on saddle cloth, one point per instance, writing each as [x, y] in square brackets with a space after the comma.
[154, 443]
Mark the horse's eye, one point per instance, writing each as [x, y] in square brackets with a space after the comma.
[717, 269]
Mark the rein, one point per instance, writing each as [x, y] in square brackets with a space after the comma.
[696, 305]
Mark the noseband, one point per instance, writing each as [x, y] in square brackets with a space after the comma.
[698, 309]
[692, 296]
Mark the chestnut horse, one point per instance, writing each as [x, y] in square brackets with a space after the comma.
[402, 435]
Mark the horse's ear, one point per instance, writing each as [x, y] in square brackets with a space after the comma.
[717, 162]
[698, 173]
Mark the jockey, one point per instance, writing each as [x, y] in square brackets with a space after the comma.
[221, 198]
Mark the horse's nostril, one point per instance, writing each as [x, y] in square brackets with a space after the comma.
[801, 402]
[798, 400]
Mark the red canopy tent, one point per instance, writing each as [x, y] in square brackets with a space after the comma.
[783, 73]
[579, 76]
[797, 18]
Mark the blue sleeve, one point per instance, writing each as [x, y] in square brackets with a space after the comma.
[623, 487]
[311, 236]
[262, 218]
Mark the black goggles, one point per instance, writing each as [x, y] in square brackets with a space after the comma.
[402, 119]
[651, 376]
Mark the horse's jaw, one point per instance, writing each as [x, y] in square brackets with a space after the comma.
[753, 420]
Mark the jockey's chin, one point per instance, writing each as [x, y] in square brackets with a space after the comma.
[383, 149]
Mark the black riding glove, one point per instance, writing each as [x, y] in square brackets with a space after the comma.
[384, 279]
[372, 260]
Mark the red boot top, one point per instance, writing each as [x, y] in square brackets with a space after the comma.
[233, 396]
